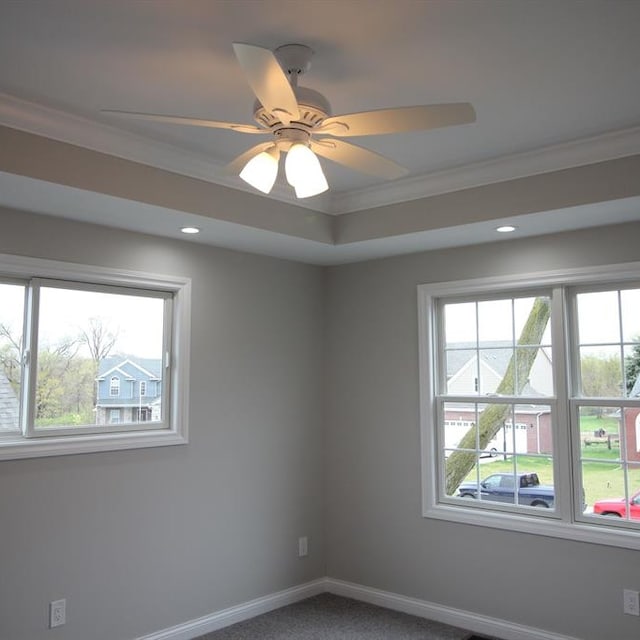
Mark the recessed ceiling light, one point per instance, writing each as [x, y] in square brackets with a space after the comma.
[507, 228]
[190, 230]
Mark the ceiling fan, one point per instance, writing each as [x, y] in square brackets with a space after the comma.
[299, 123]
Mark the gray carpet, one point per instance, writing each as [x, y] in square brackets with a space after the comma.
[330, 617]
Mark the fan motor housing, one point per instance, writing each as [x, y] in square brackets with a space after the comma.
[314, 108]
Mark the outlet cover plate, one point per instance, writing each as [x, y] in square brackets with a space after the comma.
[57, 613]
[631, 602]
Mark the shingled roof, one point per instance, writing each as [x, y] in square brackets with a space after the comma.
[9, 406]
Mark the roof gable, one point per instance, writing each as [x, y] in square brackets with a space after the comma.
[131, 368]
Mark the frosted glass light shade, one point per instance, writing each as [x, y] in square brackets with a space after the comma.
[312, 187]
[304, 172]
[261, 171]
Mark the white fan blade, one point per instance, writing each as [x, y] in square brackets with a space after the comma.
[268, 81]
[237, 164]
[195, 122]
[418, 118]
[357, 158]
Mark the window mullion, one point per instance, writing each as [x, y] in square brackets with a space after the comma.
[563, 419]
[167, 365]
[30, 359]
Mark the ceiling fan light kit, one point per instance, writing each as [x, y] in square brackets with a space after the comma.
[296, 116]
[262, 170]
[303, 171]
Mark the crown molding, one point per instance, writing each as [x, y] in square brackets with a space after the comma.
[65, 127]
[584, 151]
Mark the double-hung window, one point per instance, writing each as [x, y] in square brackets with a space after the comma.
[530, 403]
[77, 344]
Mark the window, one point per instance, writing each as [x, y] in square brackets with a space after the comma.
[531, 403]
[73, 342]
[143, 388]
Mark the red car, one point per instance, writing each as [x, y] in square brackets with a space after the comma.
[618, 507]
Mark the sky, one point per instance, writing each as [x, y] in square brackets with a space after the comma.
[136, 320]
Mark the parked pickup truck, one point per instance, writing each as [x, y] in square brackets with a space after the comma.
[499, 488]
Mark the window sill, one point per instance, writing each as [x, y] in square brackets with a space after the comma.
[553, 528]
[14, 446]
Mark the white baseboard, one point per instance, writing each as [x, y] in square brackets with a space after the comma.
[447, 615]
[440, 613]
[225, 617]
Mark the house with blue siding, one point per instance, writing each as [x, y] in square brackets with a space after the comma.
[129, 389]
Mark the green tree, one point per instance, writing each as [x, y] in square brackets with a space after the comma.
[601, 376]
[460, 463]
[632, 365]
[53, 379]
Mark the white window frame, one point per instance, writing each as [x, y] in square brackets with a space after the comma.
[114, 389]
[173, 429]
[567, 520]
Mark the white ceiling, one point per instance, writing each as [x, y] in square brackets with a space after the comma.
[555, 83]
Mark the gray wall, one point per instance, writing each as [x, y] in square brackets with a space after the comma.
[141, 540]
[375, 533]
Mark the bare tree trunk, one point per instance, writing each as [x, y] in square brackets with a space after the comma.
[460, 463]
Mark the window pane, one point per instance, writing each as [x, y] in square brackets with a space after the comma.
[631, 427]
[613, 491]
[460, 426]
[94, 350]
[630, 302]
[460, 323]
[522, 311]
[495, 374]
[495, 321]
[600, 433]
[633, 484]
[11, 321]
[601, 372]
[468, 487]
[604, 488]
[535, 474]
[632, 370]
[598, 317]
[462, 371]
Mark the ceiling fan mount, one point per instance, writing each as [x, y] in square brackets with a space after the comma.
[300, 123]
[295, 59]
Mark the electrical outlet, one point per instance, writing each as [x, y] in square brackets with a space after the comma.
[631, 602]
[303, 546]
[57, 613]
